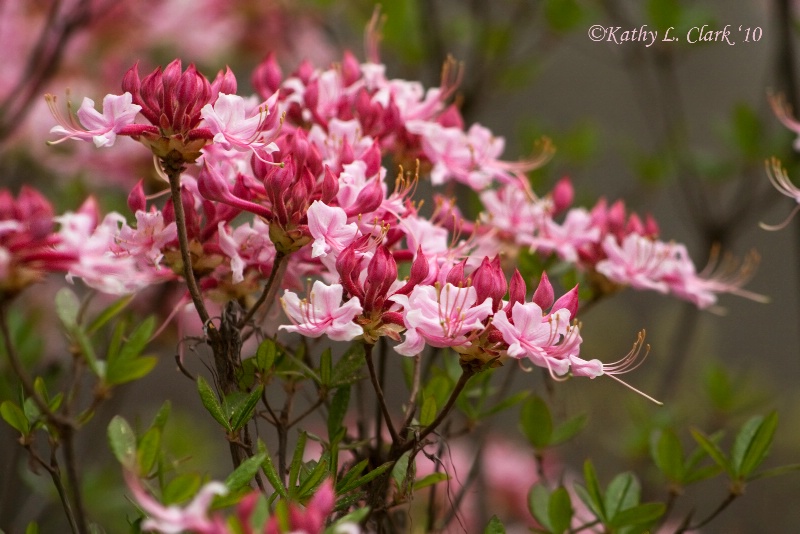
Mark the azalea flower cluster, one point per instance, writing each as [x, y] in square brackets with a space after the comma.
[303, 159]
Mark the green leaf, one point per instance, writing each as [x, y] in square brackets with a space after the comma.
[559, 510]
[325, 367]
[759, 445]
[347, 369]
[622, 493]
[14, 416]
[338, 410]
[122, 440]
[244, 411]
[348, 485]
[593, 490]
[121, 371]
[536, 422]
[97, 367]
[210, 401]
[713, 450]
[67, 308]
[638, 515]
[138, 339]
[568, 429]
[668, 455]
[743, 440]
[310, 484]
[243, 474]
[270, 472]
[297, 463]
[539, 505]
[400, 470]
[429, 480]
[266, 354]
[428, 411]
[344, 483]
[108, 313]
[32, 528]
[147, 451]
[495, 526]
[160, 420]
[181, 488]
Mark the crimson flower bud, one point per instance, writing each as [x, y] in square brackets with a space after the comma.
[372, 157]
[616, 218]
[304, 71]
[267, 76]
[381, 274]
[651, 228]
[136, 199]
[456, 274]
[330, 186]
[490, 282]
[635, 225]
[368, 200]
[351, 69]
[569, 302]
[225, 82]
[544, 295]
[563, 195]
[419, 272]
[516, 291]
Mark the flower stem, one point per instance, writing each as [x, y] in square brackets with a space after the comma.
[173, 167]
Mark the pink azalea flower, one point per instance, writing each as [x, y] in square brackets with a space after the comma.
[174, 519]
[640, 262]
[510, 210]
[441, 317]
[534, 335]
[118, 112]
[149, 237]
[322, 313]
[565, 239]
[236, 126]
[329, 228]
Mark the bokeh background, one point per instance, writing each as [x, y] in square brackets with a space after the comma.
[678, 130]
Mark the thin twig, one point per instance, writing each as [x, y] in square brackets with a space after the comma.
[718, 510]
[270, 289]
[466, 373]
[55, 474]
[173, 170]
[412, 397]
[379, 393]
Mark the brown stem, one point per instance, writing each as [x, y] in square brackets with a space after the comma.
[718, 510]
[55, 474]
[173, 167]
[384, 409]
[283, 430]
[412, 397]
[270, 290]
[466, 373]
[67, 436]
